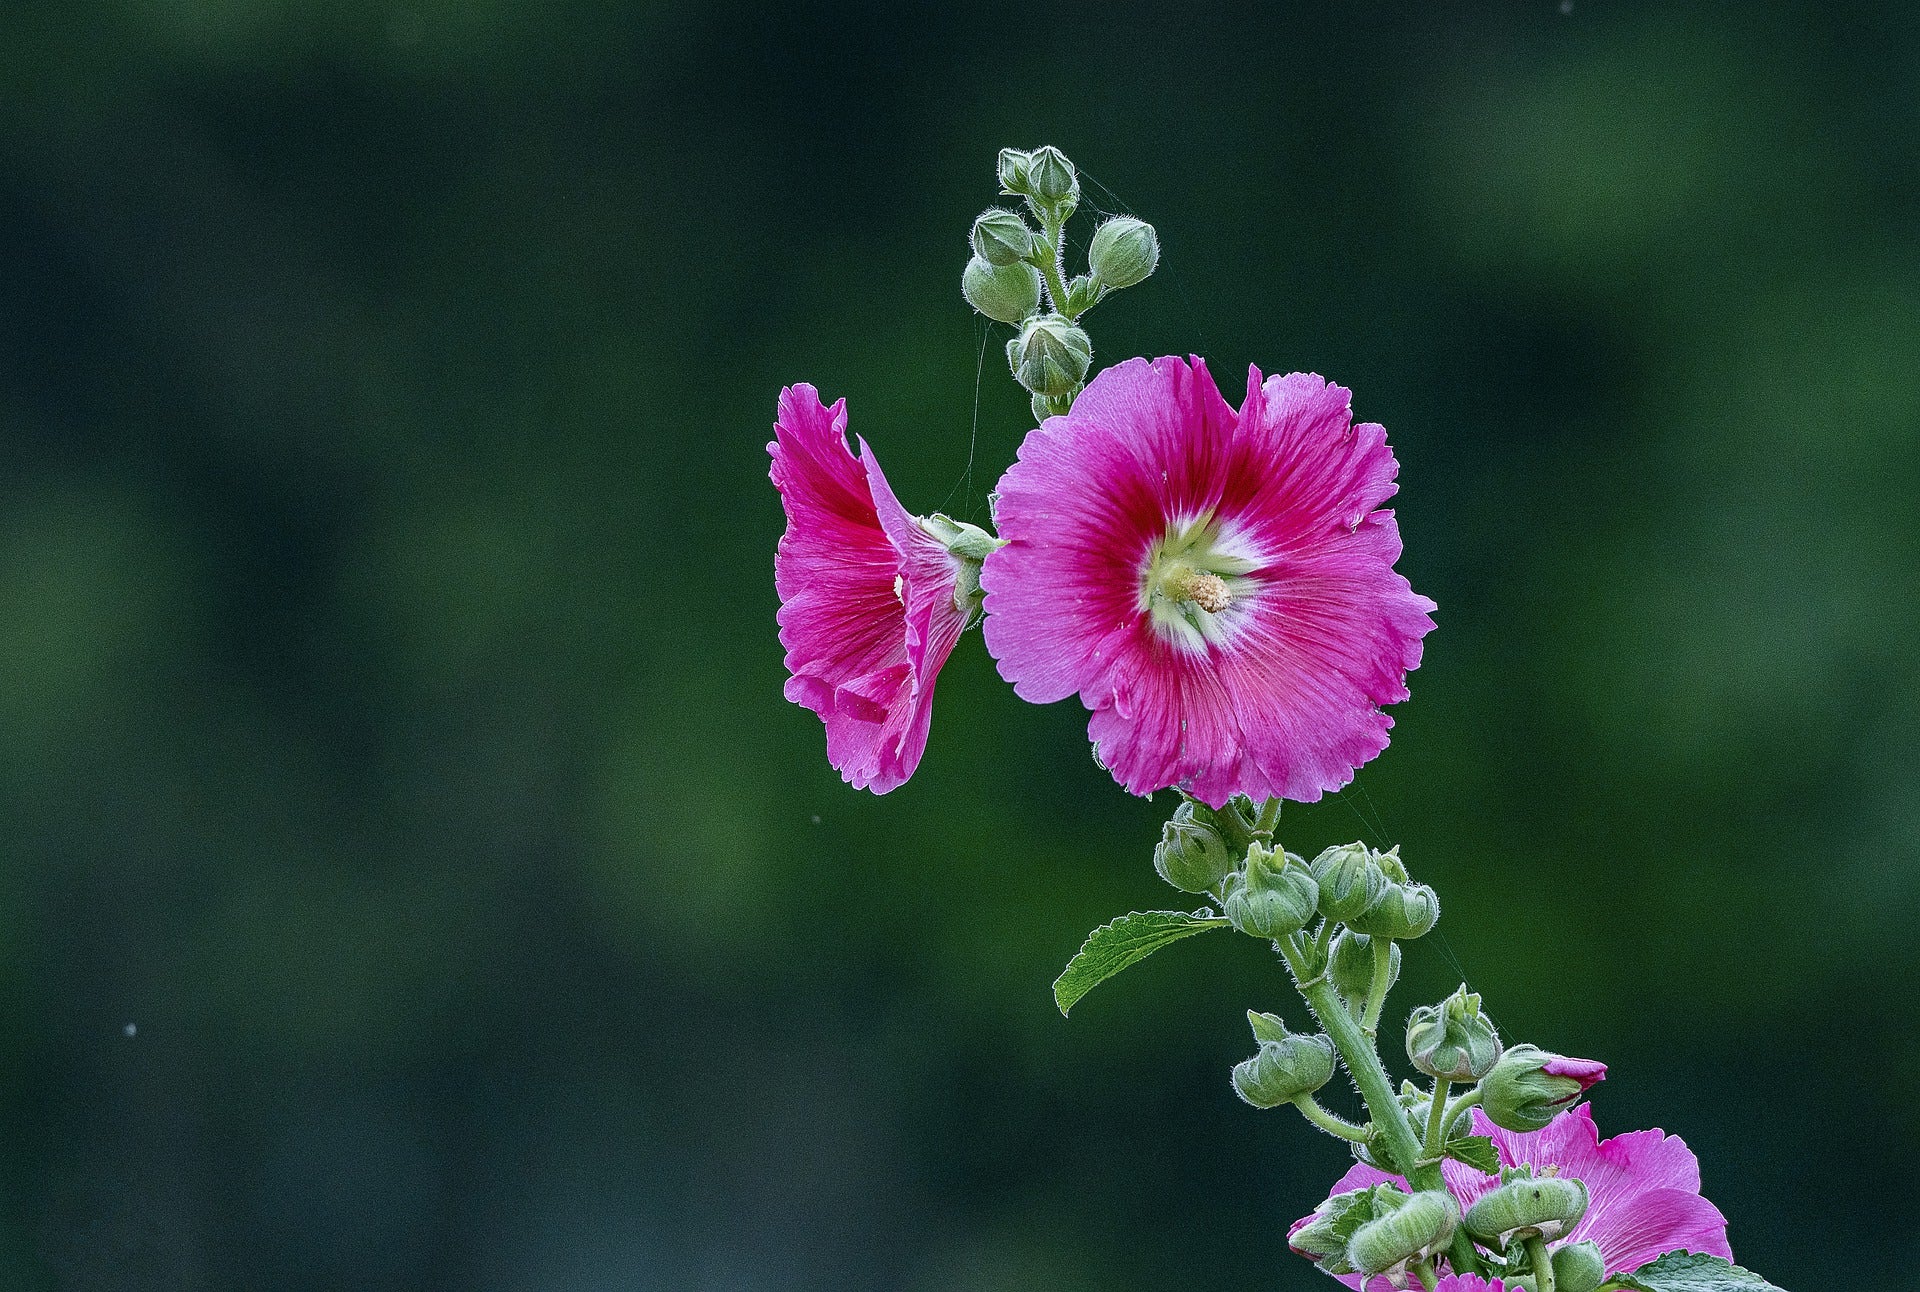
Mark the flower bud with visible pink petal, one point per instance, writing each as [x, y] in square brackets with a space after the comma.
[1530, 1086]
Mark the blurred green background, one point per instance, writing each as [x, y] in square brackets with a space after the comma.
[412, 877]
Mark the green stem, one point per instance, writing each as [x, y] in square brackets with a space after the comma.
[1323, 940]
[1542, 1263]
[1390, 1126]
[1423, 1270]
[1310, 1109]
[1049, 253]
[1437, 1119]
[1268, 818]
[1377, 992]
[1463, 1103]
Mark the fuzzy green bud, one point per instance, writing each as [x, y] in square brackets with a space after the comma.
[1051, 355]
[1004, 293]
[1192, 856]
[1274, 896]
[1391, 865]
[1288, 1065]
[1324, 1238]
[1418, 1225]
[1015, 166]
[1349, 878]
[1051, 181]
[1578, 1267]
[1001, 237]
[1530, 1086]
[1527, 1206]
[1453, 1039]
[969, 545]
[1124, 252]
[1401, 911]
[1350, 964]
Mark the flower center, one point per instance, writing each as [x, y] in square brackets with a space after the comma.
[1208, 591]
[1194, 582]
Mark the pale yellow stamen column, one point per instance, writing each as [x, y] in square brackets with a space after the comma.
[1208, 591]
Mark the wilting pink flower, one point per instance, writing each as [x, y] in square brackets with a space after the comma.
[1643, 1189]
[867, 612]
[1217, 586]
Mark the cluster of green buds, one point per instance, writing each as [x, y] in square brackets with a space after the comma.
[1338, 922]
[1018, 274]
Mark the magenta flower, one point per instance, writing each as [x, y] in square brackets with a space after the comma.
[1643, 1189]
[867, 610]
[1217, 587]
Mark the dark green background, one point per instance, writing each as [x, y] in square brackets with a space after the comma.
[390, 717]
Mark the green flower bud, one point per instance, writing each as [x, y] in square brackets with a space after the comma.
[1000, 237]
[1419, 1225]
[1527, 1206]
[1083, 293]
[1350, 965]
[969, 545]
[1192, 856]
[1004, 293]
[1286, 1067]
[1391, 865]
[1015, 167]
[1453, 1039]
[1401, 911]
[1349, 879]
[1274, 896]
[1050, 356]
[1324, 1238]
[1051, 181]
[1530, 1086]
[1578, 1267]
[1124, 252]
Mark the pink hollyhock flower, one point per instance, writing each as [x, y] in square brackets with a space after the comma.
[867, 609]
[1468, 1283]
[1643, 1190]
[1217, 586]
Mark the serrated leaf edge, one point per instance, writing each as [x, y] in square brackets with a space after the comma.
[1205, 918]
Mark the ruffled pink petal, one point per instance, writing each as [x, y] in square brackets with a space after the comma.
[929, 574]
[1468, 1283]
[1649, 1224]
[1288, 702]
[1643, 1187]
[862, 654]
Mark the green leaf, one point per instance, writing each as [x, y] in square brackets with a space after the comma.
[1126, 941]
[1476, 1151]
[1693, 1272]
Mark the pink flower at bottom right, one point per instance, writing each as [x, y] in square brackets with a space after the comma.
[1643, 1188]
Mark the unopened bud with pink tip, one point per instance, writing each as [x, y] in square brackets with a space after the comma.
[1530, 1086]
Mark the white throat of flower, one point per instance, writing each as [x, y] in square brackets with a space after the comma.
[1194, 582]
